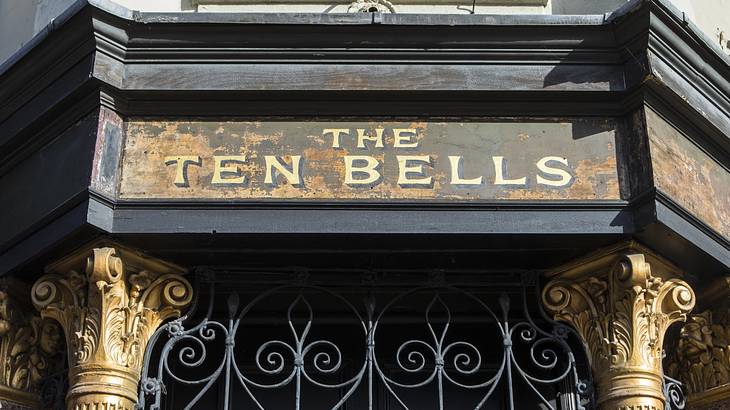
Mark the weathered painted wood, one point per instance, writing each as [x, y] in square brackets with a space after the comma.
[688, 175]
[570, 159]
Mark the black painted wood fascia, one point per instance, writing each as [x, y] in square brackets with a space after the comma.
[101, 51]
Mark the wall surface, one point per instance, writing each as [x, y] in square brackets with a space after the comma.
[712, 16]
[20, 20]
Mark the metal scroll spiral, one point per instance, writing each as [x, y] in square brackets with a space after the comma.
[673, 394]
[326, 356]
[192, 351]
[440, 359]
[545, 352]
[429, 357]
[272, 358]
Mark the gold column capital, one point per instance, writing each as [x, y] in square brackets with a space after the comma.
[29, 345]
[621, 310]
[109, 301]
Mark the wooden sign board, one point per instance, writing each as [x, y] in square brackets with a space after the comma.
[370, 161]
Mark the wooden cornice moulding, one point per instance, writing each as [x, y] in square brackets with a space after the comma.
[503, 3]
[124, 40]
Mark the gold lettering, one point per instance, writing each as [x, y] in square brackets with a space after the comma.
[405, 167]
[293, 176]
[565, 177]
[362, 137]
[370, 169]
[404, 141]
[499, 178]
[228, 164]
[181, 172]
[456, 172]
[336, 135]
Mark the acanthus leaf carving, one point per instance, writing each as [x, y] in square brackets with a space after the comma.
[622, 317]
[109, 313]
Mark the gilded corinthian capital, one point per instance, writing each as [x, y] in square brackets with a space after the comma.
[109, 301]
[622, 312]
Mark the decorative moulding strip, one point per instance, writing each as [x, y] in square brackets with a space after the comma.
[503, 3]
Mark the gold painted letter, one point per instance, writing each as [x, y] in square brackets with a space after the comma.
[456, 171]
[335, 135]
[406, 168]
[362, 137]
[404, 141]
[499, 174]
[223, 165]
[565, 177]
[370, 169]
[274, 165]
[182, 162]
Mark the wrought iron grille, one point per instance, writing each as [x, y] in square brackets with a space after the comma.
[326, 345]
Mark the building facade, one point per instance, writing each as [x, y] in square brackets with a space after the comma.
[225, 204]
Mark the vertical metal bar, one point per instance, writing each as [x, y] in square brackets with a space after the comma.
[509, 378]
[370, 306]
[508, 349]
[441, 388]
[229, 354]
[299, 388]
[370, 366]
[504, 303]
[568, 395]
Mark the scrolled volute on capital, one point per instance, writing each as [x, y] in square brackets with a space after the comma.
[110, 304]
[622, 315]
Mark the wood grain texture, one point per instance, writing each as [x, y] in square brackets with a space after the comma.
[367, 77]
[689, 176]
[588, 146]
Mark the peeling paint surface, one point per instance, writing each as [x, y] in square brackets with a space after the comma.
[107, 152]
[688, 175]
[587, 145]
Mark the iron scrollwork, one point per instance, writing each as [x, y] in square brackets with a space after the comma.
[436, 359]
[673, 393]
